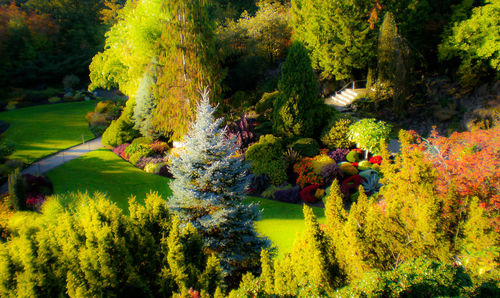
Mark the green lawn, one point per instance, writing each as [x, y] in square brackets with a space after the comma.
[103, 171]
[43, 130]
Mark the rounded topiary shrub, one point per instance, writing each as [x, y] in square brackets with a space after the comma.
[352, 156]
[266, 157]
[364, 165]
[306, 147]
[348, 169]
[153, 168]
[335, 134]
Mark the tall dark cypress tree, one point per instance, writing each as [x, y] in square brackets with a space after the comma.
[298, 95]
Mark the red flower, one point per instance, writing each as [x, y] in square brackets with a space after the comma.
[355, 164]
[377, 159]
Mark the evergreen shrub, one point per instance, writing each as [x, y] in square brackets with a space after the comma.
[266, 157]
[306, 147]
[335, 134]
[121, 130]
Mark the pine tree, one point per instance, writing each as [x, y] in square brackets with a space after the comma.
[186, 61]
[208, 192]
[298, 95]
[393, 61]
[145, 103]
[267, 275]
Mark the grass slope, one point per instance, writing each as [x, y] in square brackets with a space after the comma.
[42, 130]
[103, 171]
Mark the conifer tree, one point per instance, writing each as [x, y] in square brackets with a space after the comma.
[267, 275]
[208, 192]
[187, 61]
[393, 61]
[145, 103]
[298, 95]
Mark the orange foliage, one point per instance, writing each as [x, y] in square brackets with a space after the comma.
[468, 162]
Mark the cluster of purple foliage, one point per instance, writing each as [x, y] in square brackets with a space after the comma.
[143, 161]
[120, 149]
[291, 195]
[338, 154]
[331, 172]
[242, 130]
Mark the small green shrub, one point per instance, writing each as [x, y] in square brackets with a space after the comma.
[367, 134]
[265, 157]
[153, 168]
[266, 103]
[136, 151]
[54, 99]
[348, 169]
[335, 135]
[121, 130]
[306, 147]
[352, 156]
[142, 140]
[364, 165]
[70, 81]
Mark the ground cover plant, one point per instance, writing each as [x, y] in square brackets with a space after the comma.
[43, 130]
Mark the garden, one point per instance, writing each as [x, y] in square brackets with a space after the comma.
[225, 172]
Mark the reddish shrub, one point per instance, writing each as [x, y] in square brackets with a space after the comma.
[307, 194]
[377, 159]
[159, 147]
[351, 185]
[305, 170]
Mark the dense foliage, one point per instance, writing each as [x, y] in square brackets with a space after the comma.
[84, 246]
[265, 157]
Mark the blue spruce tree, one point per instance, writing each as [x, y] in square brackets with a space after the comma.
[208, 191]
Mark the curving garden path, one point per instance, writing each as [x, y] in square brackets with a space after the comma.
[53, 161]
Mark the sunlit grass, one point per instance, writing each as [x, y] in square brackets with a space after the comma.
[43, 130]
[103, 171]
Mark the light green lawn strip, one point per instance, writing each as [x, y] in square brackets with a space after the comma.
[102, 170]
[42, 130]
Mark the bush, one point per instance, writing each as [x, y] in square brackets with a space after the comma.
[330, 172]
[319, 161]
[120, 150]
[159, 147]
[28, 191]
[352, 156]
[307, 194]
[153, 168]
[265, 105]
[305, 170]
[145, 160]
[335, 135]
[70, 81]
[306, 147]
[54, 99]
[136, 151]
[142, 140]
[364, 165]
[367, 134]
[259, 183]
[6, 149]
[121, 130]
[266, 157]
[348, 169]
[339, 154]
[290, 195]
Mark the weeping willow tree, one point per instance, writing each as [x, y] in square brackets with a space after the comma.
[187, 61]
[160, 52]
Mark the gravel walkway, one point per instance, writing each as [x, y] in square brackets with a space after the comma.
[53, 161]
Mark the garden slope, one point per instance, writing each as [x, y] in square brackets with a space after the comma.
[103, 171]
[42, 130]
